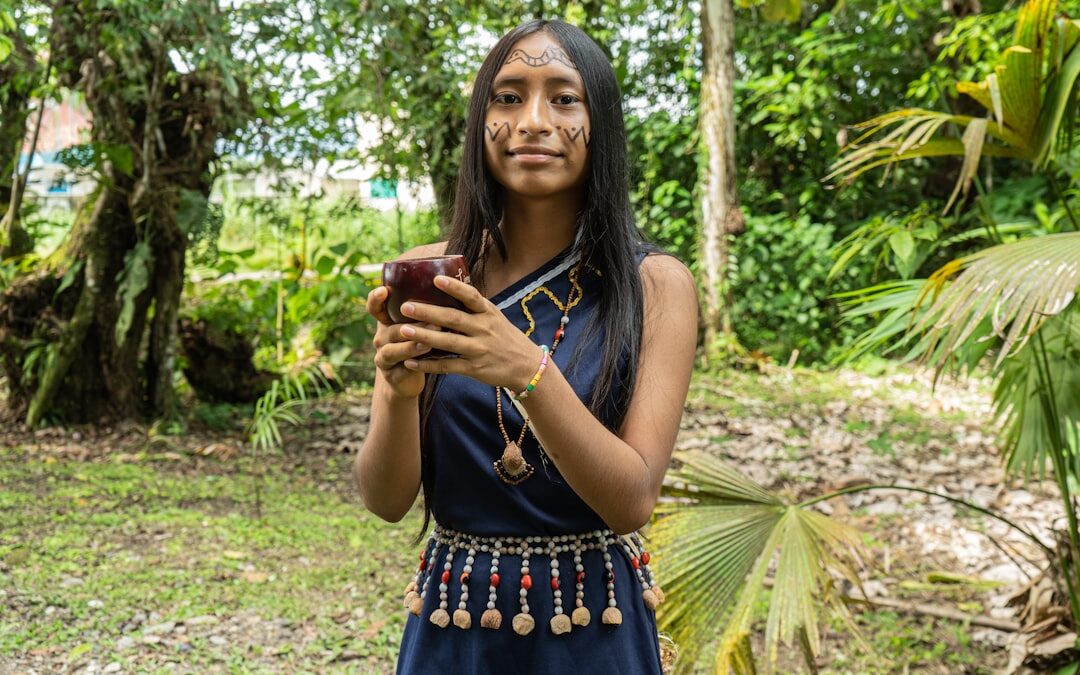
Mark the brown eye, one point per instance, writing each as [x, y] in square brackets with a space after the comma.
[567, 99]
[506, 99]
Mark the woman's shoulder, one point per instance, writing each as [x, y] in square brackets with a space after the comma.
[661, 268]
[424, 251]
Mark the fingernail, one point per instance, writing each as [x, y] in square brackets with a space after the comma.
[411, 363]
[408, 331]
[408, 308]
[442, 281]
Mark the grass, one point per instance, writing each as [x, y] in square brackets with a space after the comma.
[94, 553]
[111, 540]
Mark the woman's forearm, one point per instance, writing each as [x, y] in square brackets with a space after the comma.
[605, 471]
[387, 467]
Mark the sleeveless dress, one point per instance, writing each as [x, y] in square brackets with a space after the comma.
[463, 440]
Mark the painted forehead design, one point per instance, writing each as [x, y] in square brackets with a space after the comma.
[550, 54]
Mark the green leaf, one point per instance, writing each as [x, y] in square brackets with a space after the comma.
[192, 210]
[1018, 286]
[6, 45]
[902, 244]
[325, 265]
[69, 278]
[120, 156]
[133, 280]
[779, 11]
[720, 531]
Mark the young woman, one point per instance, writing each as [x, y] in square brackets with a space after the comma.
[541, 449]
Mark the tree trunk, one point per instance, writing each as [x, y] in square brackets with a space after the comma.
[15, 241]
[101, 326]
[19, 71]
[719, 201]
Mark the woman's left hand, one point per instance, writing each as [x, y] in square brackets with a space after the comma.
[492, 350]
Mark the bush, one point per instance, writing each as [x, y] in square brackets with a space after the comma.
[778, 279]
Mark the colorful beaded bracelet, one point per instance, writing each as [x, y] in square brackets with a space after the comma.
[536, 378]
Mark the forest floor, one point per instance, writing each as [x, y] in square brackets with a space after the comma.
[123, 549]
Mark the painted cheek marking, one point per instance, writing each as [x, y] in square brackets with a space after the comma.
[493, 130]
[577, 132]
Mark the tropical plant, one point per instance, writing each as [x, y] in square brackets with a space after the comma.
[1010, 305]
[719, 551]
[282, 403]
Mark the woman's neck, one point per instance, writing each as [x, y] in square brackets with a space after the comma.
[536, 230]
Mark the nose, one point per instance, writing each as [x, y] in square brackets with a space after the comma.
[534, 119]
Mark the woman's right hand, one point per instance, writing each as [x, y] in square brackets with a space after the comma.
[392, 348]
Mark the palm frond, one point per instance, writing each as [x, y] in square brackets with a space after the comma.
[1030, 99]
[1018, 286]
[1021, 410]
[1060, 92]
[734, 528]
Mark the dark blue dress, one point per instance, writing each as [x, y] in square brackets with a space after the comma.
[463, 440]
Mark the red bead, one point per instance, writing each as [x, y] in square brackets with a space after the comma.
[423, 565]
[554, 583]
[635, 563]
[580, 577]
[421, 555]
[526, 582]
[645, 557]
[495, 580]
[446, 576]
[464, 578]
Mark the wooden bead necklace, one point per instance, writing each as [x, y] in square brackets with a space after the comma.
[512, 468]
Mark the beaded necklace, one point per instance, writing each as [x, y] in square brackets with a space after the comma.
[512, 468]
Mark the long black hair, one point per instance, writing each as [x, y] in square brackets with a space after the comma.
[608, 236]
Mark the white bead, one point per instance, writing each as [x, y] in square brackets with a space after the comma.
[491, 604]
[555, 564]
[610, 586]
[558, 609]
[581, 594]
[523, 593]
[565, 320]
[525, 570]
[494, 569]
[442, 605]
[442, 588]
[607, 565]
[558, 593]
[464, 596]
[611, 602]
[447, 566]
[467, 569]
[525, 609]
[579, 567]
[484, 547]
[555, 572]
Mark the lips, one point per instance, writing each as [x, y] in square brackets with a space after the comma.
[532, 150]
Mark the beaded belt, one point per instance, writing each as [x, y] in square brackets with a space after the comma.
[443, 538]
